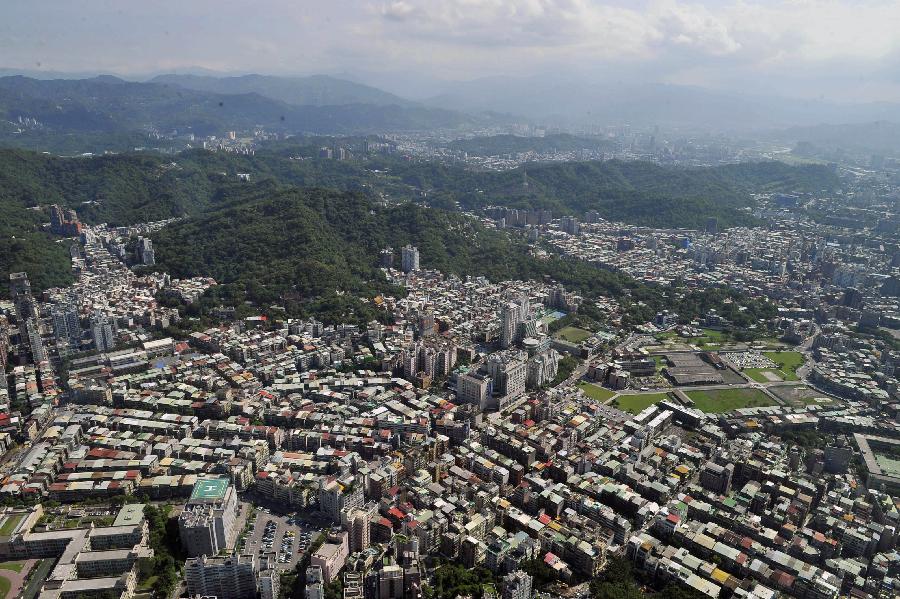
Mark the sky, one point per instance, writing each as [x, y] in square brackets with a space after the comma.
[841, 50]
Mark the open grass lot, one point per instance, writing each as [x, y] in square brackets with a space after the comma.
[789, 362]
[5, 586]
[595, 391]
[710, 337]
[764, 375]
[573, 334]
[14, 566]
[9, 524]
[799, 395]
[717, 401]
[638, 401]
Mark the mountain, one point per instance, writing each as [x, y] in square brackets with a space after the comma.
[317, 90]
[32, 108]
[128, 188]
[635, 192]
[314, 251]
[569, 100]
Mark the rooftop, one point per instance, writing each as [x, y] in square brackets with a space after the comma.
[210, 489]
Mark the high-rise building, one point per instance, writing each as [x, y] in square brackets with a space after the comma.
[390, 582]
[474, 388]
[231, 577]
[64, 222]
[509, 321]
[20, 292]
[386, 258]
[356, 522]
[34, 341]
[315, 583]
[269, 578]
[102, 332]
[207, 522]
[66, 324]
[716, 477]
[508, 371]
[145, 253]
[336, 494]
[517, 585]
[409, 258]
[569, 224]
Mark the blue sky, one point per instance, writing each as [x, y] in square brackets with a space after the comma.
[837, 49]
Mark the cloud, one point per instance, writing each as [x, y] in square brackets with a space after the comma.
[709, 42]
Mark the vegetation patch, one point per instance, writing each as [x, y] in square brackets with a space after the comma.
[14, 566]
[573, 334]
[787, 362]
[637, 402]
[718, 401]
[10, 523]
[595, 391]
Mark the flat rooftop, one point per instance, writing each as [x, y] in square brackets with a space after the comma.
[130, 515]
[210, 489]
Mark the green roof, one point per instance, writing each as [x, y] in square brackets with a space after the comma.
[130, 515]
[209, 489]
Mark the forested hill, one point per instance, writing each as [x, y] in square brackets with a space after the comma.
[45, 114]
[269, 245]
[315, 251]
[129, 188]
[641, 193]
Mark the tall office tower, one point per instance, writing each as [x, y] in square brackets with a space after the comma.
[4, 343]
[34, 341]
[409, 258]
[102, 332]
[20, 292]
[517, 585]
[712, 225]
[66, 325]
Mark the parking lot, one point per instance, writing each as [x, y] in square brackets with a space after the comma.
[287, 538]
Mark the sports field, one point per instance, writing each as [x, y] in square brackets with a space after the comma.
[573, 334]
[717, 401]
[636, 402]
[595, 391]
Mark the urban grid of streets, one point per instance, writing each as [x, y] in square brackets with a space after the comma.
[362, 455]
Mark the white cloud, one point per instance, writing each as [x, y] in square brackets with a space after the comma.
[705, 41]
